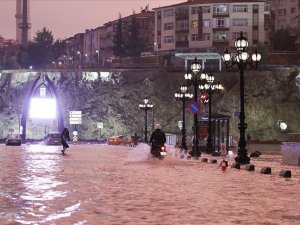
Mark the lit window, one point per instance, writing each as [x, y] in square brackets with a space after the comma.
[194, 24]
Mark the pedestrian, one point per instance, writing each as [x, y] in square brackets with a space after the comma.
[65, 136]
[223, 165]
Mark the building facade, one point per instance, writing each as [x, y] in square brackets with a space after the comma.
[209, 25]
[145, 20]
[94, 47]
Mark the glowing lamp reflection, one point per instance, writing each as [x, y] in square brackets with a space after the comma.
[42, 108]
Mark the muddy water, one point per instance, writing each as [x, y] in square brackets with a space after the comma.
[99, 184]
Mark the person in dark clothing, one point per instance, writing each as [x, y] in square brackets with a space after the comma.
[158, 138]
[65, 136]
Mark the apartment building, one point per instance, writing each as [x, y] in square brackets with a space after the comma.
[94, 46]
[145, 20]
[286, 13]
[209, 25]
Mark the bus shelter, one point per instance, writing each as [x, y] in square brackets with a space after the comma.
[219, 131]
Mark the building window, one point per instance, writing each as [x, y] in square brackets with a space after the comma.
[194, 37]
[194, 24]
[255, 19]
[206, 36]
[168, 39]
[281, 23]
[168, 13]
[168, 26]
[220, 9]
[281, 2]
[220, 36]
[182, 25]
[194, 10]
[282, 12]
[206, 23]
[220, 23]
[159, 15]
[206, 9]
[293, 10]
[239, 22]
[240, 8]
[255, 35]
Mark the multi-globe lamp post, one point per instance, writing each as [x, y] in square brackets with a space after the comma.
[193, 79]
[241, 59]
[210, 88]
[183, 96]
[146, 105]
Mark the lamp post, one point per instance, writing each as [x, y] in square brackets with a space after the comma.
[210, 87]
[183, 96]
[97, 52]
[146, 106]
[241, 59]
[156, 49]
[194, 80]
[79, 54]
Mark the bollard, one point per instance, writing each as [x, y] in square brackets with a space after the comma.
[236, 165]
[254, 154]
[204, 160]
[250, 167]
[266, 170]
[285, 173]
[216, 154]
[213, 161]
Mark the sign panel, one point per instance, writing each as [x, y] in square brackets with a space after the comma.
[75, 114]
[100, 125]
[75, 120]
[203, 97]
[180, 124]
[194, 107]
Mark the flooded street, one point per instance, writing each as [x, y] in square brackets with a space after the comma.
[112, 185]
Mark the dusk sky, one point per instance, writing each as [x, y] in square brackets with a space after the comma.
[66, 18]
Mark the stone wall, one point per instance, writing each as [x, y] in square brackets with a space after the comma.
[269, 96]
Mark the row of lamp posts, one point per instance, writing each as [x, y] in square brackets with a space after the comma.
[206, 84]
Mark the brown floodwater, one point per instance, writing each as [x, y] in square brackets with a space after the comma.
[101, 184]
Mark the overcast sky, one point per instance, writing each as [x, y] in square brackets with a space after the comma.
[68, 17]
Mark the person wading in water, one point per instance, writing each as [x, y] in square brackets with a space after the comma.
[64, 137]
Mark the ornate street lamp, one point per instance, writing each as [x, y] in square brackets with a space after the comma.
[241, 59]
[210, 87]
[193, 79]
[146, 106]
[183, 96]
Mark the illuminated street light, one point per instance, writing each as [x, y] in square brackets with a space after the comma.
[241, 59]
[97, 52]
[183, 96]
[79, 54]
[210, 87]
[156, 49]
[146, 106]
[195, 80]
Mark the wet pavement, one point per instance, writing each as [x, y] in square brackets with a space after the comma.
[100, 184]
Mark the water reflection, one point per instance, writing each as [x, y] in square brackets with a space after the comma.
[31, 178]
